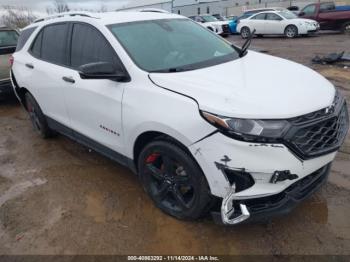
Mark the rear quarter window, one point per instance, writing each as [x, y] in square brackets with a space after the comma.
[23, 37]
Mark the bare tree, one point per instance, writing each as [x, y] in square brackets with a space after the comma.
[16, 17]
[59, 6]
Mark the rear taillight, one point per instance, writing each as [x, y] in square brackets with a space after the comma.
[11, 60]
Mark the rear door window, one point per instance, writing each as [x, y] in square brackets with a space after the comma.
[325, 7]
[259, 17]
[23, 37]
[8, 38]
[54, 44]
[90, 46]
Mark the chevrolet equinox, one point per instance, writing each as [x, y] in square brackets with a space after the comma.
[206, 125]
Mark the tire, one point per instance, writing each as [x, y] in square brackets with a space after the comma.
[245, 32]
[291, 31]
[345, 29]
[173, 180]
[37, 117]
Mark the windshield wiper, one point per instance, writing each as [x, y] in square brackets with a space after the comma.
[246, 45]
[171, 70]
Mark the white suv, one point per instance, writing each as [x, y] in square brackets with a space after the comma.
[206, 125]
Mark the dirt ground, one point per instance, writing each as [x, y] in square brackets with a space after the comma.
[57, 197]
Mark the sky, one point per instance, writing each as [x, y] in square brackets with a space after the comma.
[39, 6]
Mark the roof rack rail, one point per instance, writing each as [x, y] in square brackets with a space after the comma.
[65, 14]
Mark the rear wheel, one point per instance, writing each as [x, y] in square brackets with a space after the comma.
[173, 180]
[291, 31]
[245, 32]
[37, 117]
[346, 28]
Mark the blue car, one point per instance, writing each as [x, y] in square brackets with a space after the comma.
[233, 23]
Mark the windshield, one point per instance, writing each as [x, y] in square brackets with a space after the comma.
[287, 15]
[8, 38]
[172, 45]
[209, 18]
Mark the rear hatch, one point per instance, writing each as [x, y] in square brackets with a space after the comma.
[8, 42]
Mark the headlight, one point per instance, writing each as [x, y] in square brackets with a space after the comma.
[310, 23]
[249, 128]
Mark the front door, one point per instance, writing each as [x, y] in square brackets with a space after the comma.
[273, 24]
[94, 105]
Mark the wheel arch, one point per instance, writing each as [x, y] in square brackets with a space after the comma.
[298, 29]
[211, 28]
[147, 137]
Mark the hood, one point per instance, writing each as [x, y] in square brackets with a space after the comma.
[256, 86]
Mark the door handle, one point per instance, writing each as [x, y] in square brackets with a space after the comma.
[30, 66]
[68, 79]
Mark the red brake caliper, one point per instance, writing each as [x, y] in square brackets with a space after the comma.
[151, 158]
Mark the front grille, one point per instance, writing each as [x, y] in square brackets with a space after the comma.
[225, 29]
[320, 132]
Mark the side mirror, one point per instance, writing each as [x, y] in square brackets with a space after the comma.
[102, 70]
[301, 13]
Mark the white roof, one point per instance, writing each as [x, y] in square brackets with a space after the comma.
[123, 17]
[110, 17]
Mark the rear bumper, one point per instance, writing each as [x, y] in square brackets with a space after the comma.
[260, 209]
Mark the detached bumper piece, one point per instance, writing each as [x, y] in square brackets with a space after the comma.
[261, 209]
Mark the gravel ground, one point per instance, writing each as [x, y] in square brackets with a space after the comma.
[57, 197]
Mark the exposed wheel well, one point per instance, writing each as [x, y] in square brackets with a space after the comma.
[147, 137]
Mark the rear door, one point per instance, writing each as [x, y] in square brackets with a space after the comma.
[40, 69]
[94, 105]
[257, 22]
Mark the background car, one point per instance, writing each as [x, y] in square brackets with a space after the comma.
[213, 24]
[8, 42]
[234, 21]
[277, 23]
[329, 16]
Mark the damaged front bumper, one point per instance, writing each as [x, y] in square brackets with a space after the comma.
[243, 175]
[235, 211]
